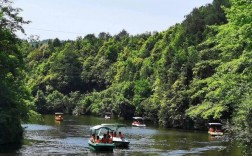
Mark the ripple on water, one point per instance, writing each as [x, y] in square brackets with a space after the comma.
[194, 151]
[71, 138]
[53, 148]
[36, 127]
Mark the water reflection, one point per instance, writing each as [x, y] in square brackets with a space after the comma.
[70, 137]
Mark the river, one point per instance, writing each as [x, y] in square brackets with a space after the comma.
[70, 137]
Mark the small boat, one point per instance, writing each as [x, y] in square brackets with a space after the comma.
[99, 146]
[107, 115]
[215, 129]
[138, 122]
[58, 116]
[118, 138]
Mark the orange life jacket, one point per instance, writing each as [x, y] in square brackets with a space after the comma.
[103, 140]
[110, 140]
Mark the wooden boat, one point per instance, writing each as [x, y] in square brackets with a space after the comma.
[119, 140]
[138, 122]
[215, 129]
[58, 116]
[97, 131]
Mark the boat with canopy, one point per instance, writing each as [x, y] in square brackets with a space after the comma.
[58, 116]
[138, 122]
[103, 144]
[215, 129]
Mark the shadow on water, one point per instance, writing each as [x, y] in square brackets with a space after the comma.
[9, 149]
[70, 137]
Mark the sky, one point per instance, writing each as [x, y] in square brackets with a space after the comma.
[65, 19]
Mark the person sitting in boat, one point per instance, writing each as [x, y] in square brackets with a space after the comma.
[109, 140]
[98, 139]
[121, 135]
[114, 135]
[211, 129]
[136, 122]
[110, 133]
[217, 130]
[92, 139]
[104, 139]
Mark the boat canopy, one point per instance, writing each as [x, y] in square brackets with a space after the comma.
[97, 127]
[215, 124]
[138, 118]
[59, 113]
[116, 126]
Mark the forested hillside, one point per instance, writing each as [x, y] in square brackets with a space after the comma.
[170, 76]
[195, 72]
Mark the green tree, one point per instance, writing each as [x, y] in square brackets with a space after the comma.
[219, 93]
[55, 102]
[14, 96]
[66, 70]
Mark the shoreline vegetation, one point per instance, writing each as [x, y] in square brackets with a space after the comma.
[197, 71]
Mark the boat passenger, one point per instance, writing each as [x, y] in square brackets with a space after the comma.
[107, 134]
[211, 129]
[98, 139]
[121, 135]
[217, 130]
[114, 135]
[92, 139]
[109, 140]
[104, 139]
[110, 133]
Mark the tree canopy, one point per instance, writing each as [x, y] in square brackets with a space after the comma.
[14, 95]
[165, 75]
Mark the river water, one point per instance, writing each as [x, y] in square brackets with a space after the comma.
[70, 137]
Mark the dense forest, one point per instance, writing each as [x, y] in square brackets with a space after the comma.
[15, 97]
[197, 71]
[130, 75]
